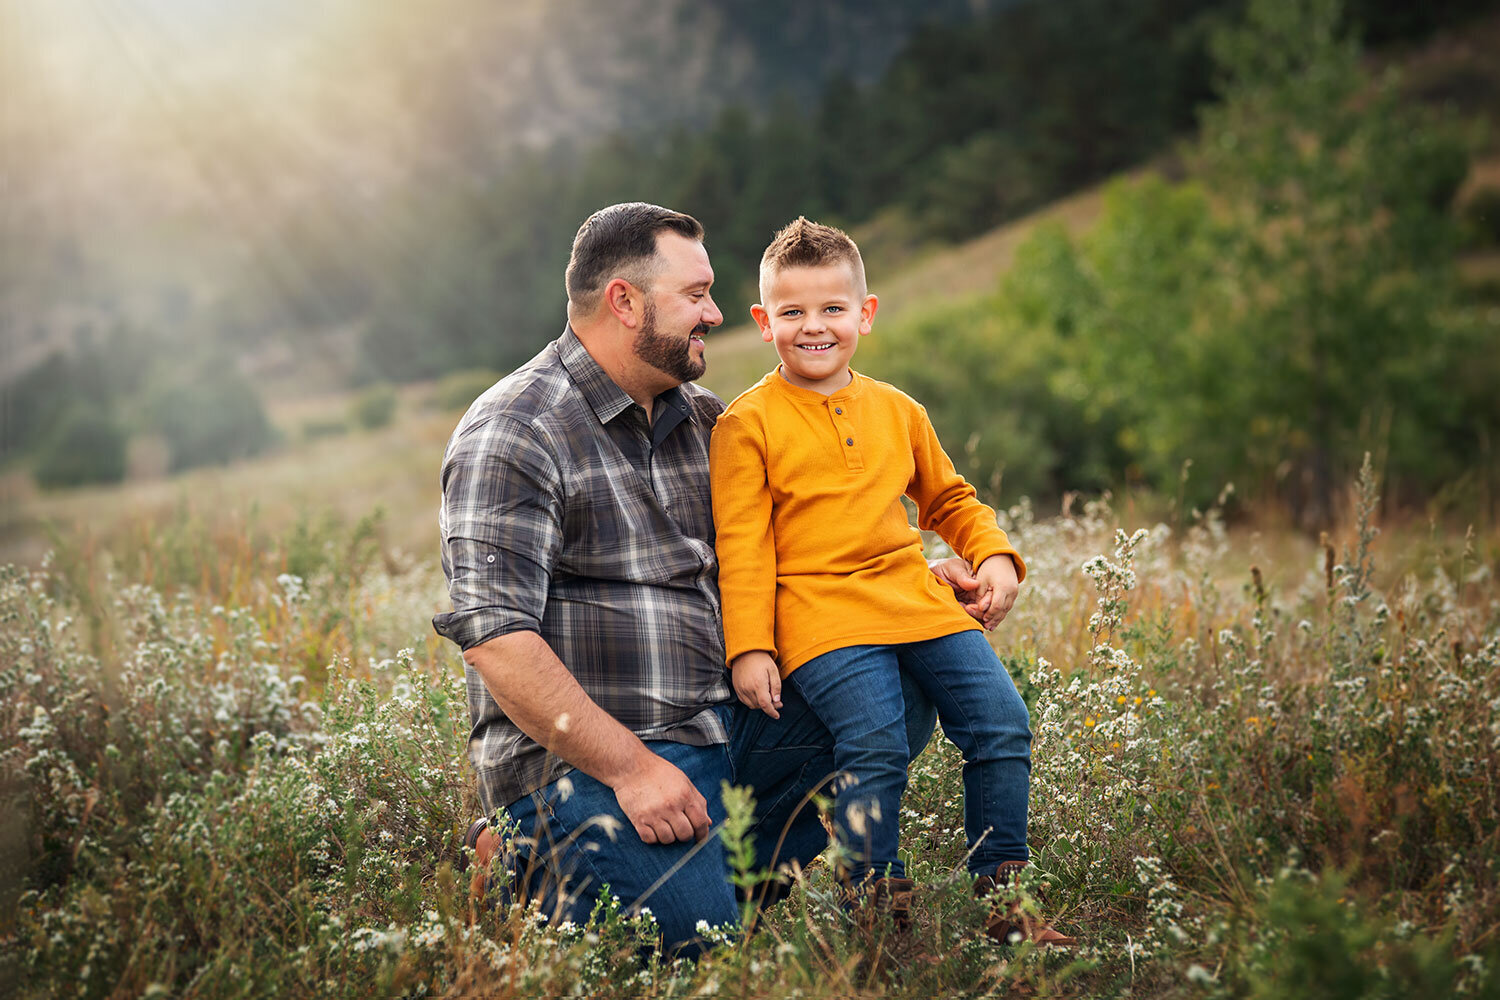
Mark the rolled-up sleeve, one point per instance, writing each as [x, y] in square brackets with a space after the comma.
[501, 523]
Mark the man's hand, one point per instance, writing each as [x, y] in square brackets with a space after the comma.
[661, 803]
[757, 681]
[998, 586]
[533, 688]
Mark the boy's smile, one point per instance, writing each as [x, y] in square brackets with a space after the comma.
[815, 317]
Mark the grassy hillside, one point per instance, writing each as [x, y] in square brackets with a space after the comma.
[349, 476]
[395, 468]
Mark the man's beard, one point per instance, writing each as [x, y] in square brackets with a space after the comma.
[666, 353]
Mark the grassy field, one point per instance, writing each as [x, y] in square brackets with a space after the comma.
[1262, 767]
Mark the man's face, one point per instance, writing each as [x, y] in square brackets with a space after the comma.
[679, 310]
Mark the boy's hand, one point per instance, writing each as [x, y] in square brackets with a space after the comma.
[955, 572]
[757, 681]
[998, 586]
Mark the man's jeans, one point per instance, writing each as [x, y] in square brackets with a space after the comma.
[574, 840]
[856, 691]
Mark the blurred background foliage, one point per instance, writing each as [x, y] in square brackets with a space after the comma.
[332, 197]
[1292, 305]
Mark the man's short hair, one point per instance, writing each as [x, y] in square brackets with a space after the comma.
[810, 244]
[620, 242]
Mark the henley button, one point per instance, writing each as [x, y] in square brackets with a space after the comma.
[838, 409]
[849, 442]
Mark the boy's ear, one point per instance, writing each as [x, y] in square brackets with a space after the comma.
[867, 313]
[762, 320]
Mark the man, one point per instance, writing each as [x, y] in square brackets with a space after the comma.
[578, 544]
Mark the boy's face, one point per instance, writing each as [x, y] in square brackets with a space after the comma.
[815, 317]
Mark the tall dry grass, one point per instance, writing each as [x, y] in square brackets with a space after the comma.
[1262, 767]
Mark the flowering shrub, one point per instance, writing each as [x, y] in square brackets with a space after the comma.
[1244, 779]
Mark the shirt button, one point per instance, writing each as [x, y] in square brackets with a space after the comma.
[849, 442]
[838, 409]
[489, 558]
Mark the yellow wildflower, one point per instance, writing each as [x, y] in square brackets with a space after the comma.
[1089, 721]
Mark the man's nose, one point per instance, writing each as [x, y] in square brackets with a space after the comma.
[713, 317]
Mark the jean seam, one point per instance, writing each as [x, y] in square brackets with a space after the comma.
[556, 868]
[985, 804]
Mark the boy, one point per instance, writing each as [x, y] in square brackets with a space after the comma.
[824, 584]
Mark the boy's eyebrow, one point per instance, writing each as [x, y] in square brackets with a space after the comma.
[790, 301]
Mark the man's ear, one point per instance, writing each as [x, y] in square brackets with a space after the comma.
[624, 302]
[867, 313]
[762, 320]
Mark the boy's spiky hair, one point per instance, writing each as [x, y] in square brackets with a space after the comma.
[810, 244]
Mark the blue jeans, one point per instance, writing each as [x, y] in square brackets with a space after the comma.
[571, 845]
[856, 691]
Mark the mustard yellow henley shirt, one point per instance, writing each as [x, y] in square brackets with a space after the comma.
[815, 549]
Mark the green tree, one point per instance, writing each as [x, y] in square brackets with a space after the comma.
[374, 406]
[212, 418]
[1133, 307]
[86, 446]
[1338, 195]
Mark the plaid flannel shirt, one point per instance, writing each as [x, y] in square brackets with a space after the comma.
[565, 513]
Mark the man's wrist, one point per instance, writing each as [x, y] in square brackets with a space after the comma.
[629, 765]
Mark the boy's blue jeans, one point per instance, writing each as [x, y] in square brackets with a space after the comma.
[856, 691]
[567, 854]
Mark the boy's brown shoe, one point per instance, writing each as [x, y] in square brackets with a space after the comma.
[880, 897]
[1006, 919]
